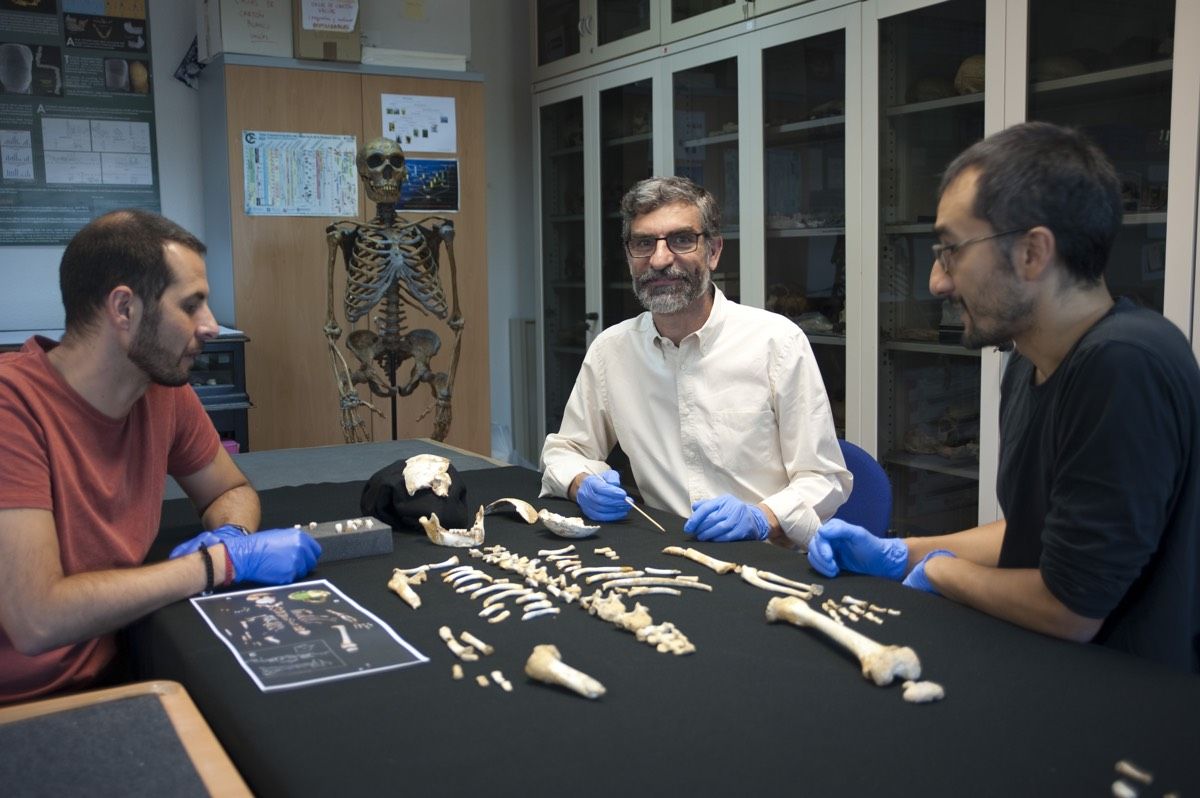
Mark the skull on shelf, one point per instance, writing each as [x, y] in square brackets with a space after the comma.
[381, 166]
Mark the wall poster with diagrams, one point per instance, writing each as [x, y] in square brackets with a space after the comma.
[76, 116]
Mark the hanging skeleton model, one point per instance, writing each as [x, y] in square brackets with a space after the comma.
[390, 261]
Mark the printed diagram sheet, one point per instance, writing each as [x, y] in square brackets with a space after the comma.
[305, 633]
[299, 174]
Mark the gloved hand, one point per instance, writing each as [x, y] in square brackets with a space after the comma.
[917, 578]
[602, 498]
[838, 545]
[726, 518]
[211, 538]
[272, 557]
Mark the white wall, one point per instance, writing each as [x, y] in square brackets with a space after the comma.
[499, 48]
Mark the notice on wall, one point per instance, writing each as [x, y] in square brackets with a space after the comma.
[306, 633]
[299, 174]
[331, 15]
[420, 124]
[76, 116]
[432, 185]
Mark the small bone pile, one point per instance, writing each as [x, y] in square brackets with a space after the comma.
[403, 579]
[665, 637]
[1129, 772]
[854, 608]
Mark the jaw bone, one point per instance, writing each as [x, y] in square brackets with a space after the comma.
[566, 527]
[458, 538]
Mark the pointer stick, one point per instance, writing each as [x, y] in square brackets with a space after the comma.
[643, 514]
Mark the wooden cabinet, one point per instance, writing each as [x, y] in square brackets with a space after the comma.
[268, 273]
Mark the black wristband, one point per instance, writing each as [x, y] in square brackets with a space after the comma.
[208, 570]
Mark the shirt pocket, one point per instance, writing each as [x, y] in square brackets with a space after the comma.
[744, 442]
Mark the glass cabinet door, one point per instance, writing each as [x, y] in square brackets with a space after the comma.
[557, 26]
[687, 9]
[705, 111]
[565, 323]
[931, 108]
[804, 164]
[626, 156]
[617, 20]
[1105, 68]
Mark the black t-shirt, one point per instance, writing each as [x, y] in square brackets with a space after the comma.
[1099, 482]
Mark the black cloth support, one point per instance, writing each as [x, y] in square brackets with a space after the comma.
[758, 708]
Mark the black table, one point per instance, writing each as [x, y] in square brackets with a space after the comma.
[758, 707]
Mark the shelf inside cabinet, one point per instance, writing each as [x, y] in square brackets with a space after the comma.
[825, 338]
[636, 138]
[578, 351]
[935, 105]
[831, 125]
[932, 462]
[560, 153]
[704, 141]
[564, 218]
[567, 284]
[804, 232]
[1147, 217]
[1101, 84]
[930, 347]
[909, 228]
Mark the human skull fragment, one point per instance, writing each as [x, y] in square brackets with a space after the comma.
[381, 165]
[566, 527]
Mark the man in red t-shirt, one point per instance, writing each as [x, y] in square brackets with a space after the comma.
[91, 426]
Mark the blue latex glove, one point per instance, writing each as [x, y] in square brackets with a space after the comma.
[917, 578]
[602, 498]
[838, 545]
[211, 538]
[726, 518]
[272, 557]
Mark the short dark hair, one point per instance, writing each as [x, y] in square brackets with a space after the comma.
[124, 247]
[654, 192]
[1036, 173]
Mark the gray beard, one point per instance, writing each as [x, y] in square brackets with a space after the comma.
[675, 299]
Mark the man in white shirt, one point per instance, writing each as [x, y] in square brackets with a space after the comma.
[719, 407]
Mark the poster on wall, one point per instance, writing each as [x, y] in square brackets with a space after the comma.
[299, 174]
[432, 185]
[76, 116]
[420, 124]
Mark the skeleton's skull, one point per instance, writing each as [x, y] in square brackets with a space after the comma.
[381, 166]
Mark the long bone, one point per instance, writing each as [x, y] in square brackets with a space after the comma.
[545, 664]
[752, 576]
[720, 566]
[816, 590]
[880, 663]
[655, 581]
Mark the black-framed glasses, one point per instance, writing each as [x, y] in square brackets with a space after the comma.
[681, 243]
[944, 253]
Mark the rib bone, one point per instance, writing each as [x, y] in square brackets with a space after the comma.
[720, 566]
[545, 664]
[880, 663]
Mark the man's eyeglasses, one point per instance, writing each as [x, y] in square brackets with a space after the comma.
[944, 253]
[680, 243]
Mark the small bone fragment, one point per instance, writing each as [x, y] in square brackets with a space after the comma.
[537, 605]
[879, 663]
[1132, 771]
[482, 680]
[893, 612]
[662, 571]
[602, 550]
[655, 591]
[665, 638]
[528, 597]
[876, 608]
[427, 471]
[337, 527]
[635, 619]
[399, 585]
[857, 602]
[567, 549]
[456, 671]
[503, 594]
[857, 609]
[923, 692]
[500, 617]
[720, 566]
[566, 527]
[499, 679]
[418, 578]
[465, 653]
[539, 613]
[870, 616]
[491, 610]
[656, 581]
[312, 524]
[452, 561]
[545, 664]
[347, 645]
[1120, 789]
[815, 590]
[475, 642]
[457, 538]
[835, 616]
[469, 587]
[519, 506]
[751, 576]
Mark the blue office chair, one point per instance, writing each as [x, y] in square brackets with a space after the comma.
[870, 502]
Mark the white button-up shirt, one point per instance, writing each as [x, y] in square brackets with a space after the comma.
[738, 407]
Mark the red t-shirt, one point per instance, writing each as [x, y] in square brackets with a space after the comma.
[102, 478]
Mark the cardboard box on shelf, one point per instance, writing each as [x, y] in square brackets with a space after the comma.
[325, 45]
[256, 27]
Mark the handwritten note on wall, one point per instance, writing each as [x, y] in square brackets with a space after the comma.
[330, 15]
[262, 27]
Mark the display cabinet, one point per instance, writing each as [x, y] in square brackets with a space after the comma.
[683, 18]
[569, 34]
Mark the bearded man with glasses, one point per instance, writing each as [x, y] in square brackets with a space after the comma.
[1099, 477]
[720, 407]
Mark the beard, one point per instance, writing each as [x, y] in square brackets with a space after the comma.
[1004, 316]
[155, 361]
[673, 298]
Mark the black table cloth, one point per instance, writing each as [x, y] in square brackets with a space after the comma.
[759, 707]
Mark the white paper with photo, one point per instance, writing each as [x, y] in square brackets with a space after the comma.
[303, 634]
[420, 124]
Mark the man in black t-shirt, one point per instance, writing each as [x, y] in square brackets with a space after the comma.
[1099, 477]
